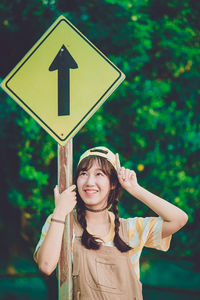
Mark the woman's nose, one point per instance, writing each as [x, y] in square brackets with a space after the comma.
[90, 180]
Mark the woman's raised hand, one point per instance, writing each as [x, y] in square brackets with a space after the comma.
[64, 202]
[127, 178]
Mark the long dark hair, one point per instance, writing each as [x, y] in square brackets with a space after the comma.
[88, 240]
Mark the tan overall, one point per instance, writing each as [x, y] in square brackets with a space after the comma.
[104, 274]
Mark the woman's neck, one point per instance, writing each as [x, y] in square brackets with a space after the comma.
[98, 223]
[97, 217]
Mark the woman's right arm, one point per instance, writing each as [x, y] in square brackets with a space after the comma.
[49, 252]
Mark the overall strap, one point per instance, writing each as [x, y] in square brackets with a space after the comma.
[78, 230]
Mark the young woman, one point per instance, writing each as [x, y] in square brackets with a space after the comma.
[106, 248]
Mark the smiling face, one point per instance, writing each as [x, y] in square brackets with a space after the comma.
[94, 185]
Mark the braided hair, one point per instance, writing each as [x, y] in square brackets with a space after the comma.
[88, 240]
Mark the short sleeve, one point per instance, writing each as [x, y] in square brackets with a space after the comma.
[148, 232]
[44, 231]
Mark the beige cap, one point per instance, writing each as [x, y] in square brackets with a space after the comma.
[100, 151]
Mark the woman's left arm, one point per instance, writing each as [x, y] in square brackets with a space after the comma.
[174, 218]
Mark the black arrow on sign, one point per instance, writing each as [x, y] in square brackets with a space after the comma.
[63, 62]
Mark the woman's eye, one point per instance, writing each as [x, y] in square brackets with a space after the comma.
[99, 174]
[82, 173]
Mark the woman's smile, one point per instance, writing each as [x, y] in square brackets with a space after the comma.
[91, 192]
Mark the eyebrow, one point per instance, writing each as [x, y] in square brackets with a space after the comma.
[98, 169]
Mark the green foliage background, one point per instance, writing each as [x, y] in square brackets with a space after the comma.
[152, 119]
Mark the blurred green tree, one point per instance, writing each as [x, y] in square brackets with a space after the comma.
[152, 119]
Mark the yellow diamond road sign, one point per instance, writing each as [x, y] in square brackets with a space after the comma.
[62, 80]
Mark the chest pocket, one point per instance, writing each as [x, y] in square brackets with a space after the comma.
[104, 273]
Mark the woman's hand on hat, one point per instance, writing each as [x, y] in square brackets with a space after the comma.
[127, 177]
[64, 202]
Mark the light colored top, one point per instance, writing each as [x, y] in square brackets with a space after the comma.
[141, 232]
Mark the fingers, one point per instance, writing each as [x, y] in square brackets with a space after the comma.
[132, 175]
[65, 201]
[123, 173]
[56, 191]
[117, 161]
[126, 174]
[72, 188]
[69, 192]
[120, 170]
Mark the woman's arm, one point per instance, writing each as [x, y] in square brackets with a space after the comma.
[49, 252]
[174, 218]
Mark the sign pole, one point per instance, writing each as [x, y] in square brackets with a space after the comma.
[65, 287]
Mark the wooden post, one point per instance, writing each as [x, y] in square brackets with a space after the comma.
[65, 263]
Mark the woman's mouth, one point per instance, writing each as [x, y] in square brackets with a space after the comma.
[90, 192]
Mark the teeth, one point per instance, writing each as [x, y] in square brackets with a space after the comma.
[90, 192]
